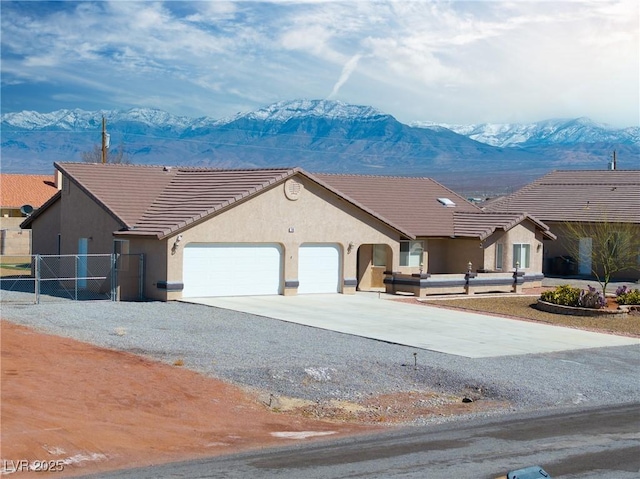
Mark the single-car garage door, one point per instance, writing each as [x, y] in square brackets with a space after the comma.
[319, 268]
[231, 269]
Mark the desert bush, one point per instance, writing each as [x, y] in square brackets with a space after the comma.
[591, 298]
[627, 296]
[564, 295]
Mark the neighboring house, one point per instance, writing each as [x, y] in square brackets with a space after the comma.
[21, 195]
[565, 197]
[211, 232]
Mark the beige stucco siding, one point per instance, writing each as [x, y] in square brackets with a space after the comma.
[524, 233]
[155, 264]
[81, 217]
[45, 229]
[317, 216]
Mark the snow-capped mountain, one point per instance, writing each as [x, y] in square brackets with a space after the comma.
[545, 133]
[320, 136]
[297, 109]
[78, 120]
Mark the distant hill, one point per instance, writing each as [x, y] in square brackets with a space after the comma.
[323, 136]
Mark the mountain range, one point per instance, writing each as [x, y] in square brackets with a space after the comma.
[323, 136]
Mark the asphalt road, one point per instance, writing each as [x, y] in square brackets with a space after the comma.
[588, 444]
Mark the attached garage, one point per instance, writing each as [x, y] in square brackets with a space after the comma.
[232, 269]
[319, 268]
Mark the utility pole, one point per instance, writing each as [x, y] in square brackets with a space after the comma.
[613, 163]
[104, 140]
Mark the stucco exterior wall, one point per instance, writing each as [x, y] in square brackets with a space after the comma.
[452, 255]
[554, 250]
[81, 217]
[45, 229]
[524, 233]
[155, 253]
[317, 216]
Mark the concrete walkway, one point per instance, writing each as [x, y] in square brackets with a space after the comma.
[453, 332]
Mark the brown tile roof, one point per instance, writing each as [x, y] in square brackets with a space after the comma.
[19, 190]
[409, 202]
[482, 225]
[611, 195]
[125, 191]
[194, 194]
[159, 201]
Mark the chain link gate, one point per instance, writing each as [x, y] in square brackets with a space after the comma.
[42, 278]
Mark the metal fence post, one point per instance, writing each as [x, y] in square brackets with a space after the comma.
[114, 276]
[36, 285]
[75, 274]
[141, 277]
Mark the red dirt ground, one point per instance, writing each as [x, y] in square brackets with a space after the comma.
[98, 409]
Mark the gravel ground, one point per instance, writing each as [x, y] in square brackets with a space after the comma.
[286, 359]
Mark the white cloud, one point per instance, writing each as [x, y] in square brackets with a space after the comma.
[444, 61]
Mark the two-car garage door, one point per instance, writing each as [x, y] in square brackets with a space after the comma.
[232, 269]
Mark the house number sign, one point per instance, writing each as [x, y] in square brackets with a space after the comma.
[292, 189]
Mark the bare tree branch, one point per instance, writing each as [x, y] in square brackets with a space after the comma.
[117, 156]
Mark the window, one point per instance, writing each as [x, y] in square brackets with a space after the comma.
[411, 253]
[498, 255]
[521, 254]
[379, 255]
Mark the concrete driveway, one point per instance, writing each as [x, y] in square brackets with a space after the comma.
[427, 327]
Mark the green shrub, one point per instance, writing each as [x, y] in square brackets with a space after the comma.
[631, 296]
[564, 295]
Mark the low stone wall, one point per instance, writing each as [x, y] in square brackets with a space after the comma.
[424, 284]
[575, 311]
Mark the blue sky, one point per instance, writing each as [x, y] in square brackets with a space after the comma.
[454, 62]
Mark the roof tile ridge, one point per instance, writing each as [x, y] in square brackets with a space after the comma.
[359, 175]
[112, 165]
[235, 170]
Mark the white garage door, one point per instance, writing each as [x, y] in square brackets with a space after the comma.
[319, 268]
[231, 269]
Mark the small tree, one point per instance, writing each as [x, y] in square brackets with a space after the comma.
[117, 156]
[615, 247]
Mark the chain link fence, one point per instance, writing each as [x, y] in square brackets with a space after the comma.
[42, 278]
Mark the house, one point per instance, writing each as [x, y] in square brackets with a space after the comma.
[20, 195]
[452, 235]
[564, 198]
[213, 232]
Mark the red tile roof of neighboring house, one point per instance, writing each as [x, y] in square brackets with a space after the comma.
[19, 190]
[603, 195]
